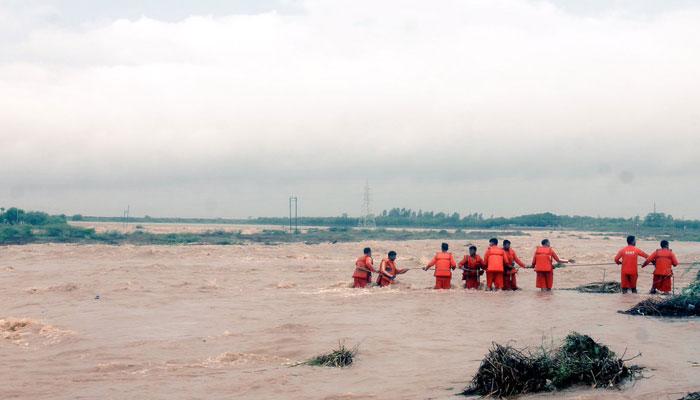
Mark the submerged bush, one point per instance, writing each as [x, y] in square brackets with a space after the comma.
[506, 371]
[339, 358]
[580, 360]
[600, 287]
[686, 304]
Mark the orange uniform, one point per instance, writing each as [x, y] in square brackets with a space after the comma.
[363, 271]
[444, 264]
[664, 261]
[387, 271]
[542, 261]
[471, 277]
[495, 260]
[628, 256]
[509, 275]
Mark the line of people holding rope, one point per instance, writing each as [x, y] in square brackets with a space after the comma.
[501, 265]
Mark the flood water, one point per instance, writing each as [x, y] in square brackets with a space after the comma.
[221, 322]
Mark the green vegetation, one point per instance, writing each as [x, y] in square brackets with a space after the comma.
[38, 227]
[17, 216]
[580, 360]
[338, 358]
[653, 225]
[687, 304]
[18, 227]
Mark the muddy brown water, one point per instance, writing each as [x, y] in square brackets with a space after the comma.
[222, 322]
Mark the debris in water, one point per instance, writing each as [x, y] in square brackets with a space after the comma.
[506, 371]
[338, 358]
[599, 287]
[676, 306]
[687, 304]
[581, 360]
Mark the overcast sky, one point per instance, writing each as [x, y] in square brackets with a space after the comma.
[211, 108]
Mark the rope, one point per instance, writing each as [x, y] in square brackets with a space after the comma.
[691, 264]
[590, 265]
[695, 264]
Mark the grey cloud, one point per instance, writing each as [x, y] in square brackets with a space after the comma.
[466, 108]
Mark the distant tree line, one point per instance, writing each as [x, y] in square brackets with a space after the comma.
[17, 216]
[404, 217]
[395, 217]
[19, 226]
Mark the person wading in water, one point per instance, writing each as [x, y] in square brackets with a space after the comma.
[363, 269]
[664, 260]
[473, 267]
[628, 258]
[542, 263]
[388, 270]
[444, 263]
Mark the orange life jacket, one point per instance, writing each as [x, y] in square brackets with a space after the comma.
[495, 259]
[389, 266]
[664, 260]
[542, 260]
[629, 256]
[472, 264]
[364, 262]
[443, 262]
[390, 269]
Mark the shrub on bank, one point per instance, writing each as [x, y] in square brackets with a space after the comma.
[16, 234]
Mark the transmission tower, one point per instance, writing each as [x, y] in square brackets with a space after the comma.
[126, 216]
[294, 218]
[367, 218]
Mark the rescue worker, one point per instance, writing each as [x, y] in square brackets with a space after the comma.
[664, 260]
[509, 275]
[444, 263]
[628, 257]
[473, 267]
[388, 270]
[495, 260]
[363, 269]
[542, 263]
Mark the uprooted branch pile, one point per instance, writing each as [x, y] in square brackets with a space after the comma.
[691, 396]
[506, 371]
[599, 287]
[687, 304]
[340, 357]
